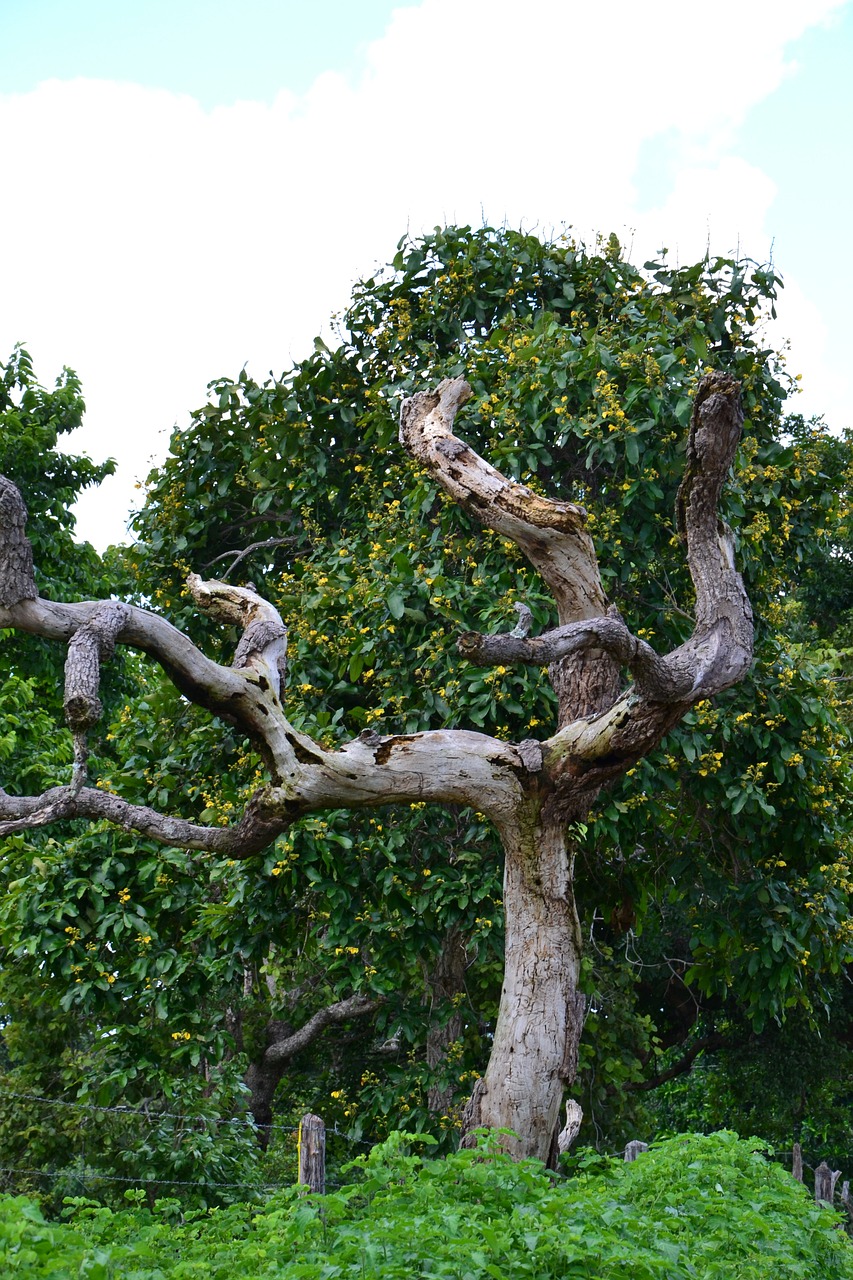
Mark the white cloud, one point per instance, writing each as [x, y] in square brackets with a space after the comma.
[154, 246]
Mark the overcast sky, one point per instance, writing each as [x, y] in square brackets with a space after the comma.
[191, 185]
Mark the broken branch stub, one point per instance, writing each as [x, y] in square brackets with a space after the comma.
[263, 645]
[92, 644]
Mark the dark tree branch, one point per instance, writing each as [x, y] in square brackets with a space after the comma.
[357, 1006]
[240, 556]
[708, 1043]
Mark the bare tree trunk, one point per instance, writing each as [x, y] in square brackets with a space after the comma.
[534, 1053]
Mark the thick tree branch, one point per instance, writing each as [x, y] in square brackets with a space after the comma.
[357, 1006]
[447, 766]
[263, 645]
[652, 675]
[718, 654]
[245, 696]
[551, 534]
[257, 828]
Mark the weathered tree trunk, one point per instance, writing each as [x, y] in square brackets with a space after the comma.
[534, 1053]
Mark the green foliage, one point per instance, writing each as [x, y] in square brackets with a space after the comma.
[689, 1209]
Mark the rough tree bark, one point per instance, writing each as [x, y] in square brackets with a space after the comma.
[532, 791]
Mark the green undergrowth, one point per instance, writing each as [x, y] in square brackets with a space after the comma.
[691, 1206]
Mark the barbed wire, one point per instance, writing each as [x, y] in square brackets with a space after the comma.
[94, 1176]
[155, 1116]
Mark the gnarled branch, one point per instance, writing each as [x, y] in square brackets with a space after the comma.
[605, 736]
[257, 827]
[263, 644]
[651, 673]
[719, 652]
[551, 534]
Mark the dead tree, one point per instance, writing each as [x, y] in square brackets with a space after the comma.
[532, 791]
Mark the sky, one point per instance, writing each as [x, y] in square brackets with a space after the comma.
[190, 186]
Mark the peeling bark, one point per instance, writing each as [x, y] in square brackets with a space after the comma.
[531, 791]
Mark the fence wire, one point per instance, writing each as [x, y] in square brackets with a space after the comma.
[87, 1175]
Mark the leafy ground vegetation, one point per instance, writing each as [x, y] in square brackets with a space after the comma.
[715, 883]
[691, 1207]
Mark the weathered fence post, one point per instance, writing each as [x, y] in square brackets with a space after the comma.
[797, 1166]
[311, 1144]
[824, 1182]
[633, 1149]
[574, 1119]
[846, 1200]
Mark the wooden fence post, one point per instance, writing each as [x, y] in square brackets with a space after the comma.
[797, 1166]
[633, 1149]
[824, 1182]
[574, 1118]
[846, 1200]
[311, 1144]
